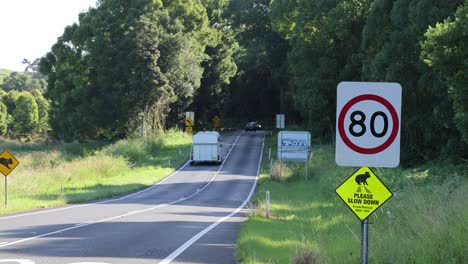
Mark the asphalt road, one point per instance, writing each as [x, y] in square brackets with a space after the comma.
[193, 216]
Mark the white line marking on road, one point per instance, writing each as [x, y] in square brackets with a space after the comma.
[20, 261]
[101, 202]
[192, 240]
[88, 263]
[124, 215]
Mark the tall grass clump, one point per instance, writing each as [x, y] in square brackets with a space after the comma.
[424, 222]
[72, 172]
[152, 150]
[306, 257]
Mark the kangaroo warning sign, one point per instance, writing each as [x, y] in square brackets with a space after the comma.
[7, 162]
[363, 192]
[368, 121]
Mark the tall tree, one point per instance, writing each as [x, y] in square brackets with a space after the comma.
[258, 89]
[391, 50]
[25, 115]
[445, 51]
[15, 81]
[325, 39]
[140, 57]
[218, 67]
[43, 111]
[3, 119]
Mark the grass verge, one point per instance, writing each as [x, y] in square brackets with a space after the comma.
[71, 173]
[424, 222]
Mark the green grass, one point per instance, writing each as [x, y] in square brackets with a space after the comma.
[71, 173]
[425, 221]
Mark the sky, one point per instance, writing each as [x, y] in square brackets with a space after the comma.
[29, 28]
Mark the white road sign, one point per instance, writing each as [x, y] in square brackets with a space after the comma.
[293, 145]
[190, 115]
[280, 121]
[368, 121]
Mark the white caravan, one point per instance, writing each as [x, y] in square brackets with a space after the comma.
[206, 148]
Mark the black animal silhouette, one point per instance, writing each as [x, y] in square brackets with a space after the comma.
[6, 162]
[362, 178]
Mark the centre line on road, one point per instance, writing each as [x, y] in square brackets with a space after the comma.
[20, 261]
[127, 214]
[194, 239]
[107, 201]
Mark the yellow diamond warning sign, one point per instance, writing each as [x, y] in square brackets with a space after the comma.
[363, 192]
[216, 121]
[7, 162]
[188, 122]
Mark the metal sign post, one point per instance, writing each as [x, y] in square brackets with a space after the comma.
[364, 240]
[280, 147]
[6, 192]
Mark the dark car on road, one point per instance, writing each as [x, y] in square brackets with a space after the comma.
[253, 126]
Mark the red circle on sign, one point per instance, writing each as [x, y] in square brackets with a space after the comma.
[370, 97]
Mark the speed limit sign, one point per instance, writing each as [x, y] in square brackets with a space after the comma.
[368, 121]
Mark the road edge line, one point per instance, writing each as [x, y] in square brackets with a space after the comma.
[194, 239]
[127, 214]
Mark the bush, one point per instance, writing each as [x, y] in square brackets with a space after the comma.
[307, 257]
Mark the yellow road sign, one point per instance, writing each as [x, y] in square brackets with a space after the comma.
[363, 192]
[188, 122]
[7, 162]
[216, 121]
[189, 129]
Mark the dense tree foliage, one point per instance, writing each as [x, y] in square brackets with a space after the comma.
[364, 40]
[259, 89]
[24, 82]
[25, 115]
[427, 126]
[3, 119]
[325, 39]
[132, 67]
[43, 112]
[126, 63]
[218, 67]
[445, 51]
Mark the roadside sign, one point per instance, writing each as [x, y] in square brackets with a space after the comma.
[191, 116]
[188, 129]
[363, 192]
[280, 121]
[216, 121]
[368, 124]
[188, 122]
[7, 162]
[294, 145]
